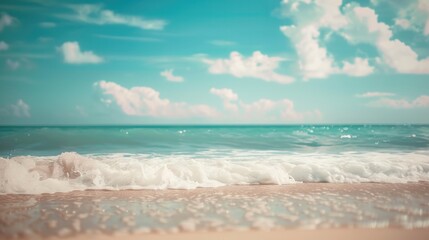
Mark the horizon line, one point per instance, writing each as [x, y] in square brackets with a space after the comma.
[209, 124]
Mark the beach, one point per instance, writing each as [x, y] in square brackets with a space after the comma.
[215, 182]
[307, 210]
[392, 234]
[214, 119]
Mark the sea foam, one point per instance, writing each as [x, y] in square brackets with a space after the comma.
[71, 171]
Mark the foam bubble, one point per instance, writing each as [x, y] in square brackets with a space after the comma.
[72, 171]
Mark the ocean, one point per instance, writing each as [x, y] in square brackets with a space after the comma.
[63, 159]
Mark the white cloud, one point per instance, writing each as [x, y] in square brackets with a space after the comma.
[420, 102]
[256, 66]
[359, 68]
[383, 99]
[12, 65]
[168, 74]
[145, 101]
[403, 23]
[309, 17]
[357, 25]
[375, 94]
[96, 14]
[225, 94]
[282, 109]
[5, 20]
[332, 17]
[47, 24]
[424, 6]
[228, 97]
[314, 60]
[3, 46]
[222, 43]
[262, 110]
[316, 13]
[73, 55]
[20, 109]
[366, 28]
[411, 15]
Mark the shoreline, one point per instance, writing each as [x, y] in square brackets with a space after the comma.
[228, 187]
[293, 187]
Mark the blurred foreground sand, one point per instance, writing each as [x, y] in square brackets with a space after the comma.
[333, 211]
[321, 234]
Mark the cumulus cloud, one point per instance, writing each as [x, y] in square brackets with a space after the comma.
[168, 74]
[419, 102]
[225, 94]
[383, 99]
[316, 13]
[145, 101]
[359, 68]
[314, 59]
[12, 65]
[375, 94]
[228, 97]
[5, 20]
[20, 109]
[367, 29]
[73, 55]
[357, 25]
[96, 14]
[411, 15]
[403, 23]
[258, 66]
[3, 46]
[265, 110]
[309, 17]
[424, 6]
[283, 109]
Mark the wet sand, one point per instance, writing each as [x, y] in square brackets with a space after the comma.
[375, 210]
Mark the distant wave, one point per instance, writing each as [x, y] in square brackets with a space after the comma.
[71, 171]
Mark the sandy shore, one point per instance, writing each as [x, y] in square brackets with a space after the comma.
[354, 211]
[321, 234]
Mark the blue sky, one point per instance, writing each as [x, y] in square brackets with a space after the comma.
[214, 62]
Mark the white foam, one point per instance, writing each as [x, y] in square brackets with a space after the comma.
[71, 171]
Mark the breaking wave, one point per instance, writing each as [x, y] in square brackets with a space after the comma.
[71, 171]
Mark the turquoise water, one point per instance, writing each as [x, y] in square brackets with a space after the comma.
[61, 159]
[39, 141]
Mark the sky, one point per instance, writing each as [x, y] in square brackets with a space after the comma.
[214, 62]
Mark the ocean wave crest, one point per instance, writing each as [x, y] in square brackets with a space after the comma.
[71, 171]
